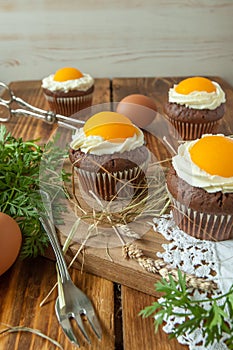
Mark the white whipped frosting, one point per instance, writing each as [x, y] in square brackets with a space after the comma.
[187, 170]
[82, 84]
[198, 99]
[98, 145]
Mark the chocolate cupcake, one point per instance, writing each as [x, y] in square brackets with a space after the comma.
[195, 106]
[109, 156]
[68, 91]
[200, 185]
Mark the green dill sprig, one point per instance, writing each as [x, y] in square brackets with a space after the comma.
[20, 166]
[213, 320]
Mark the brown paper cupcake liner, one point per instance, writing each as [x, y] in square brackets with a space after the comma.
[69, 105]
[191, 131]
[212, 227]
[108, 186]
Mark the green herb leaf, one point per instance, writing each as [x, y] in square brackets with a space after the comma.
[19, 184]
[217, 314]
[214, 320]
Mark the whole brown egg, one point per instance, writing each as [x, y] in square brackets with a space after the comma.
[10, 242]
[140, 109]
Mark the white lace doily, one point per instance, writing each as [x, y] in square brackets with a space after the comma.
[201, 258]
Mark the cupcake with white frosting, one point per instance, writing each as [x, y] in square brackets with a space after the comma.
[195, 106]
[109, 156]
[200, 184]
[68, 90]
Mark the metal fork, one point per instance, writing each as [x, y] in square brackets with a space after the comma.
[76, 303]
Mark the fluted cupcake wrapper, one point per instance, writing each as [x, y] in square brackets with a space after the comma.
[191, 131]
[108, 186]
[69, 105]
[212, 227]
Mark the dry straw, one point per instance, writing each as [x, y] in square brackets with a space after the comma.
[151, 199]
[131, 251]
[16, 329]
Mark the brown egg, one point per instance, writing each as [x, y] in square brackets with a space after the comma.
[10, 242]
[140, 109]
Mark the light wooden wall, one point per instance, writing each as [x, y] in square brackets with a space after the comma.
[116, 38]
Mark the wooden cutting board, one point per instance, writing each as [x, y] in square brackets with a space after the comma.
[110, 263]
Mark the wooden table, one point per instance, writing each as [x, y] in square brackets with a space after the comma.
[24, 286]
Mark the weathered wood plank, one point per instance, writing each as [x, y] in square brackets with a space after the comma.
[111, 264]
[116, 38]
[142, 334]
[25, 285]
